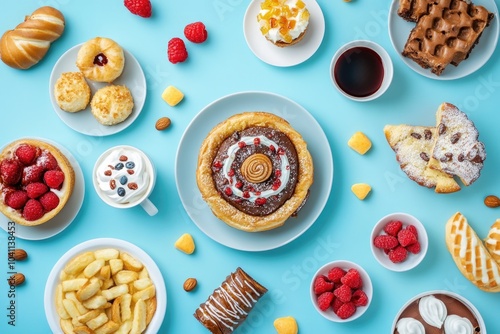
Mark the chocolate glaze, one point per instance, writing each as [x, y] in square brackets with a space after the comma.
[453, 305]
[273, 202]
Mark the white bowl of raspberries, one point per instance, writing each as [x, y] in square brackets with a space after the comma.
[341, 291]
[399, 241]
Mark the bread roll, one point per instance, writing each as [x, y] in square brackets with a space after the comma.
[27, 44]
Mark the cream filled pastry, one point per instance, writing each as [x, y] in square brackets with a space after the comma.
[123, 176]
[283, 22]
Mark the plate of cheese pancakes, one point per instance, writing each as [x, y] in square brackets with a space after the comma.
[428, 41]
[187, 163]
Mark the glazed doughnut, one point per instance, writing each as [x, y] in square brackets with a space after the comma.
[254, 171]
[101, 59]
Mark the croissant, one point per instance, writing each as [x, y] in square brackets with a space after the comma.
[228, 306]
[27, 44]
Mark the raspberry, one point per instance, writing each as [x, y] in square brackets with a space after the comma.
[32, 174]
[346, 311]
[385, 241]
[343, 293]
[53, 179]
[49, 201]
[26, 154]
[37, 189]
[16, 199]
[413, 230]
[196, 32]
[337, 303]
[413, 248]
[324, 300]
[359, 298]
[260, 201]
[393, 227]
[352, 279]
[10, 171]
[321, 284]
[228, 191]
[139, 7]
[176, 51]
[406, 237]
[33, 210]
[47, 161]
[335, 274]
[398, 254]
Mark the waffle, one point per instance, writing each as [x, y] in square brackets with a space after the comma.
[492, 241]
[470, 255]
[445, 34]
[413, 147]
[412, 10]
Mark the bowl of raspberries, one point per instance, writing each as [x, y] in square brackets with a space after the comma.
[341, 291]
[399, 241]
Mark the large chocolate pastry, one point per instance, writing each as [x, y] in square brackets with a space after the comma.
[254, 171]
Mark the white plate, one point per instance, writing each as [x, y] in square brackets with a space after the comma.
[399, 30]
[287, 56]
[121, 245]
[63, 218]
[83, 121]
[187, 161]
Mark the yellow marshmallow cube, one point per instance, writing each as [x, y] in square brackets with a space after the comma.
[286, 325]
[185, 243]
[172, 95]
[359, 142]
[361, 190]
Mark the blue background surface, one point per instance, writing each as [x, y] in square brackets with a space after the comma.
[224, 65]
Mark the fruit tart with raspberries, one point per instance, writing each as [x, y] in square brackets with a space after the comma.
[254, 171]
[36, 181]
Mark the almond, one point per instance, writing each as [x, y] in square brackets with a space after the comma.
[190, 284]
[18, 254]
[492, 201]
[16, 279]
[162, 123]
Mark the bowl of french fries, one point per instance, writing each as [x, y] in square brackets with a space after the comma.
[105, 286]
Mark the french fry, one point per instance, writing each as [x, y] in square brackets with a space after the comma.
[96, 302]
[70, 307]
[93, 267]
[107, 328]
[139, 319]
[61, 311]
[107, 254]
[98, 321]
[66, 326]
[147, 293]
[115, 291]
[150, 309]
[131, 263]
[125, 276]
[72, 296]
[79, 263]
[142, 283]
[125, 307]
[144, 273]
[73, 284]
[86, 317]
[82, 330]
[89, 289]
[116, 265]
[125, 327]
[107, 284]
[104, 273]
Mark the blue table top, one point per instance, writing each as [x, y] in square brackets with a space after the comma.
[225, 65]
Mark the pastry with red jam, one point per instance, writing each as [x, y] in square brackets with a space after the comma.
[254, 171]
[36, 181]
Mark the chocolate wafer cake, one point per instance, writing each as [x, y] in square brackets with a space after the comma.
[445, 33]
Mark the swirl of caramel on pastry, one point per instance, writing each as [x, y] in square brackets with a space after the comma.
[257, 168]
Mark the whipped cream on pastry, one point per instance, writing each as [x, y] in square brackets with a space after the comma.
[283, 20]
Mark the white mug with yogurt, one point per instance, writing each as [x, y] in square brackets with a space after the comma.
[124, 177]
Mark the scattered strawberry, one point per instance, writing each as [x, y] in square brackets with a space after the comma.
[359, 298]
[33, 210]
[10, 171]
[406, 237]
[321, 284]
[26, 154]
[47, 161]
[413, 248]
[352, 279]
[343, 293]
[324, 300]
[398, 254]
[413, 230]
[335, 274]
[16, 199]
[393, 227]
[49, 201]
[139, 7]
[53, 179]
[37, 189]
[346, 310]
[31, 174]
[176, 51]
[385, 241]
[196, 32]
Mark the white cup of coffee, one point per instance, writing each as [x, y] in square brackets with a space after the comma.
[124, 177]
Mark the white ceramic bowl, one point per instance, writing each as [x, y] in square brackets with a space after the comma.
[413, 259]
[94, 244]
[367, 288]
[386, 63]
[453, 295]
